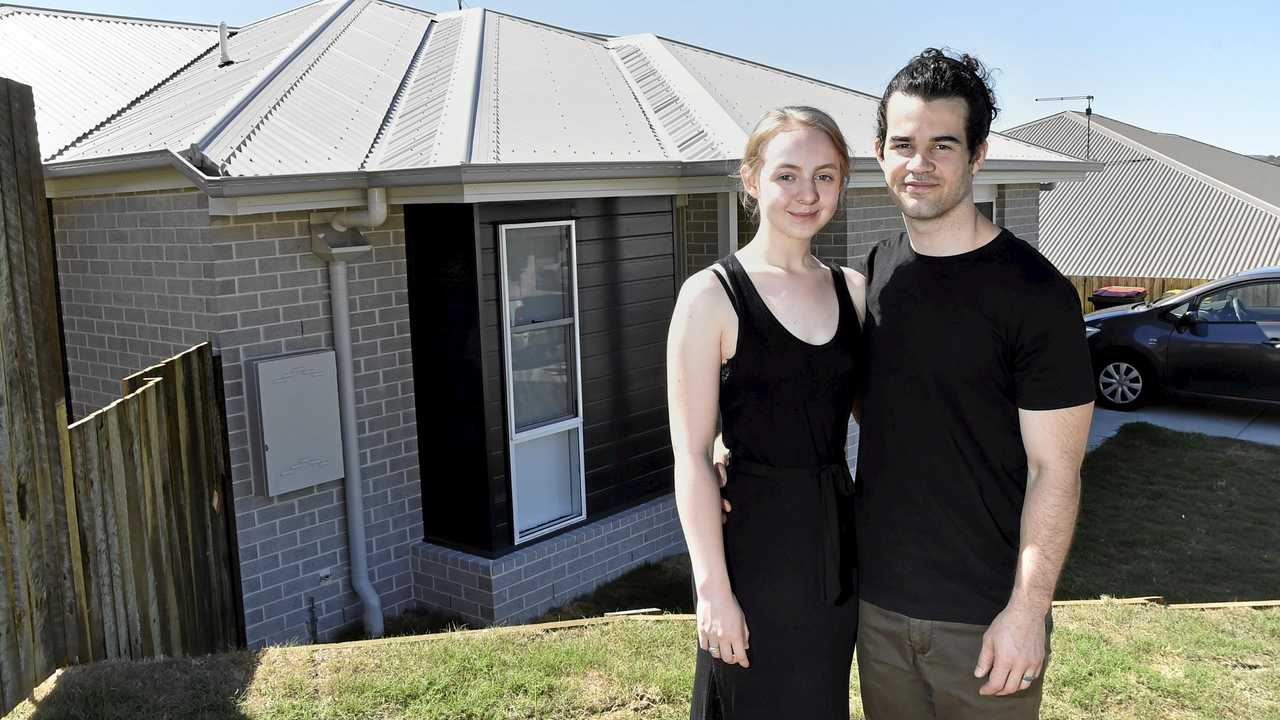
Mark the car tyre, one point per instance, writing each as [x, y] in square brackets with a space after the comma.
[1123, 383]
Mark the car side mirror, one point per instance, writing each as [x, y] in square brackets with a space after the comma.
[1189, 318]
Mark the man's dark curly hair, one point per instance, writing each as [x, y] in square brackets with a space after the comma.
[934, 75]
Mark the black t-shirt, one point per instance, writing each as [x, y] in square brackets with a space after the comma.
[954, 347]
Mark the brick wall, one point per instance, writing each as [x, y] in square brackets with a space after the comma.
[134, 274]
[1017, 208]
[549, 573]
[701, 233]
[872, 217]
[144, 276]
[276, 300]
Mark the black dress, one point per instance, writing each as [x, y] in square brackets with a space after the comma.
[788, 542]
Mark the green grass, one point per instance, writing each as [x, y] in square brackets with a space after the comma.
[1110, 661]
[1190, 517]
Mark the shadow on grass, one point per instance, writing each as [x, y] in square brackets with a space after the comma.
[664, 585]
[1187, 516]
[209, 687]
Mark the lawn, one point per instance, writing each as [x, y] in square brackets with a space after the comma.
[1110, 661]
[1188, 517]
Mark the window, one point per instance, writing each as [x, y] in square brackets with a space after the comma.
[1255, 302]
[544, 398]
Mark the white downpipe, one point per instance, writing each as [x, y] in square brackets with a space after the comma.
[351, 451]
[353, 484]
[371, 217]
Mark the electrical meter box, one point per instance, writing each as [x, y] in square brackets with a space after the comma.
[295, 427]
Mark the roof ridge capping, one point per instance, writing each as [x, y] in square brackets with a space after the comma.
[1178, 165]
[222, 119]
[8, 8]
[788, 73]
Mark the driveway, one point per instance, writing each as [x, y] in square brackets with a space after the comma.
[1257, 423]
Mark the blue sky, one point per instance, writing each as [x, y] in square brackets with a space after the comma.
[1205, 70]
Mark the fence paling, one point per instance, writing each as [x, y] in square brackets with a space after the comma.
[1085, 285]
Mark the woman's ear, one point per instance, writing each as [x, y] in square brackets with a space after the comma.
[750, 181]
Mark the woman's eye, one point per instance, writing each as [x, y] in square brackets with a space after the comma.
[786, 177]
[826, 178]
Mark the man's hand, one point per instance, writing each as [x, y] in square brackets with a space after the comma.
[1012, 654]
[720, 456]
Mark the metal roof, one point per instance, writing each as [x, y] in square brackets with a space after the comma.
[83, 68]
[1164, 209]
[368, 86]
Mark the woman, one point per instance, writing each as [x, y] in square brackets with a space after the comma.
[768, 337]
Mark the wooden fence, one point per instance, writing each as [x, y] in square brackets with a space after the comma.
[143, 529]
[35, 578]
[1156, 287]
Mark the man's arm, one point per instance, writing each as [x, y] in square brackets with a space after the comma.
[1013, 647]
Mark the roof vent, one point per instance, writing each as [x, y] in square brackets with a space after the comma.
[222, 45]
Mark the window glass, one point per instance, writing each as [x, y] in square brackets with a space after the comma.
[539, 283]
[1255, 302]
[541, 376]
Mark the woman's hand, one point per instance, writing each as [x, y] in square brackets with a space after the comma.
[720, 457]
[722, 626]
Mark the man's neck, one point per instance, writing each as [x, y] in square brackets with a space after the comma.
[960, 230]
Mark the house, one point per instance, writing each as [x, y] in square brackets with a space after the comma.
[461, 235]
[1164, 206]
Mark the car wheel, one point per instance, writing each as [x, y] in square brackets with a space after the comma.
[1123, 384]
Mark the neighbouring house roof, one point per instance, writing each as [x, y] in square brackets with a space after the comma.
[353, 89]
[84, 68]
[1164, 205]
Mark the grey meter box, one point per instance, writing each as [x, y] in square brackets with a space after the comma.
[295, 428]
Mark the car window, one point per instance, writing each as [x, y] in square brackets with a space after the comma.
[1180, 310]
[1254, 302]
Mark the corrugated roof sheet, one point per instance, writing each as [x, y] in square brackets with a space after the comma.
[1254, 177]
[1144, 216]
[83, 68]
[347, 85]
[550, 95]
[323, 113]
[173, 114]
[434, 89]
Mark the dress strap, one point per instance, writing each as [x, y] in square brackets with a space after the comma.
[845, 300]
[733, 299]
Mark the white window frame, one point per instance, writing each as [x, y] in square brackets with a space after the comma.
[574, 423]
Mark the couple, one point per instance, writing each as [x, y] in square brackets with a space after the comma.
[959, 349]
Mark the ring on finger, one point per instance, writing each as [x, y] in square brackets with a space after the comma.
[715, 651]
[1029, 678]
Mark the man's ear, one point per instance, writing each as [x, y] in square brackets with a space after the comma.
[979, 157]
[879, 153]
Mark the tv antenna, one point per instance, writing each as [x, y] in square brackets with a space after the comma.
[1088, 117]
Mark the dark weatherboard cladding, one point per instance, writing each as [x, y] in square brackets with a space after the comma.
[626, 291]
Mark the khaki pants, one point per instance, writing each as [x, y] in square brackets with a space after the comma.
[913, 669]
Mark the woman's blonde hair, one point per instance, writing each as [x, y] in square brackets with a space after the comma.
[779, 120]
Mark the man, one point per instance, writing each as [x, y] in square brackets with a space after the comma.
[977, 398]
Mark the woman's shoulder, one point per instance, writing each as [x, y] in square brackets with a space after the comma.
[702, 292]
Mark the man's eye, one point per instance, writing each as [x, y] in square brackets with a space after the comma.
[943, 147]
[901, 146]
[826, 178]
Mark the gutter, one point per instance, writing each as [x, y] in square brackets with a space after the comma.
[245, 186]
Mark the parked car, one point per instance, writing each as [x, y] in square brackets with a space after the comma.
[1221, 339]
